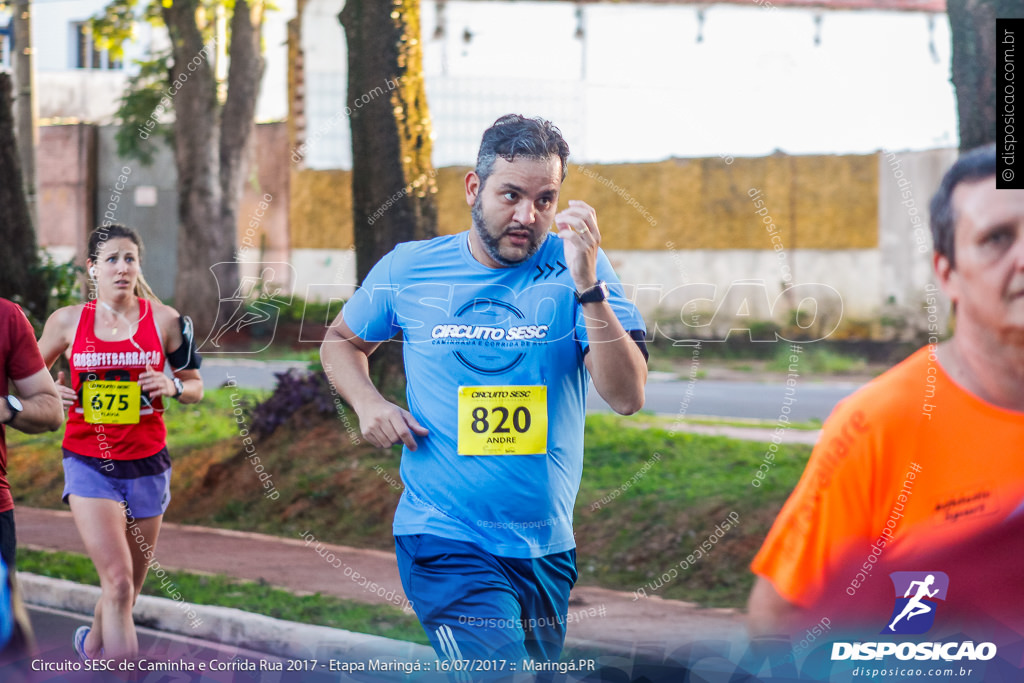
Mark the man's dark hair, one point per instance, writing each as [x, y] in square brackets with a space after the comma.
[514, 135]
[977, 164]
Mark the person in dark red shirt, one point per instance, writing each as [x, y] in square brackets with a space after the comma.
[33, 407]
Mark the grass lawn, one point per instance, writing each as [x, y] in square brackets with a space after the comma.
[648, 496]
[646, 419]
[666, 492]
[188, 426]
[818, 360]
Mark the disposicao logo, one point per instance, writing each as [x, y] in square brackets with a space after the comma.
[917, 596]
[916, 602]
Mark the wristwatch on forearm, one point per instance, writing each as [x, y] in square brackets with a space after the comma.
[179, 387]
[599, 292]
[15, 405]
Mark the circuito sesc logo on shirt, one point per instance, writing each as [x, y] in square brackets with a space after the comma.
[917, 600]
[485, 341]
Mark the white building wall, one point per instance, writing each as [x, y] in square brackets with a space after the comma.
[906, 182]
[272, 104]
[80, 94]
[93, 95]
[634, 83]
[54, 37]
[326, 77]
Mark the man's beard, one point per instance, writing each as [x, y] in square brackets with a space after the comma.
[492, 244]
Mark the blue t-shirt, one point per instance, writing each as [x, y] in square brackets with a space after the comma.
[467, 325]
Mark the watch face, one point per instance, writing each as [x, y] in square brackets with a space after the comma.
[598, 292]
[15, 403]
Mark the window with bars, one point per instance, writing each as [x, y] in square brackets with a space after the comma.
[86, 55]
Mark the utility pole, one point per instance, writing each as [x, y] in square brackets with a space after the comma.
[24, 102]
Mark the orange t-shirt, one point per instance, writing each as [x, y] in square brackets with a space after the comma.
[909, 463]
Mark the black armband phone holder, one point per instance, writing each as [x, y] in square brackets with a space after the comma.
[185, 357]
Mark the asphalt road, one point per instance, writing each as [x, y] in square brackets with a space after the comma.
[717, 398]
[751, 400]
[250, 374]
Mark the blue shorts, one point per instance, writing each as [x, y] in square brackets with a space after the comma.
[143, 486]
[477, 606]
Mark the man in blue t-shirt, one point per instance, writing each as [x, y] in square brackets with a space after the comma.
[503, 327]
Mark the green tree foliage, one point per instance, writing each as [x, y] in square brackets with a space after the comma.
[141, 98]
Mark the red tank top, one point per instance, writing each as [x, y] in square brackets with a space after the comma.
[118, 361]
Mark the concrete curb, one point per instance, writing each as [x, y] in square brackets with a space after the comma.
[229, 626]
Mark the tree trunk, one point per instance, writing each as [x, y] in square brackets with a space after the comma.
[211, 146]
[973, 29]
[19, 279]
[391, 144]
[239, 114]
[25, 118]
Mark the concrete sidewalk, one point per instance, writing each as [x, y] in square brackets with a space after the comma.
[252, 633]
[611, 620]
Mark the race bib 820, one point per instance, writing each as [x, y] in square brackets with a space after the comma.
[503, 420]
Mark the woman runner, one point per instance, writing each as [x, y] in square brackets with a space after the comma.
[117, 471]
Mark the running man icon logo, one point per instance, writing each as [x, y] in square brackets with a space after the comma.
[917, 595]
[256, 303]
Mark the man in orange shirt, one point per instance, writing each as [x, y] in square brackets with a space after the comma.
[929, 454]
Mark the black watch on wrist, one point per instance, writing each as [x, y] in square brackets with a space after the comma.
[179, 387]
[599, 292]
[15, 405]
